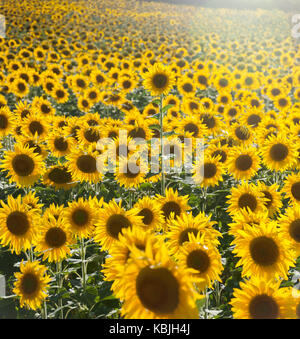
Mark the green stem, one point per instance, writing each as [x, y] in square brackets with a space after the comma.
[162, 145]
[44, 310]
[83, 265]
[60, 283]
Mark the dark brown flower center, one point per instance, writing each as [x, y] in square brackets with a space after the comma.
[17, 223]
[60, 175]
[209, 170]
[160, 81]
[115, 224]
[294, 230]
[29, 283]
[243, 162]
[184, 235]
[80, 217]
[263, 307]
[198, 260]
[147, 215]
[157, 290]
[279, 152]
[264, 251]
[295, 190]
[169, 207]
[23, 165]
[61, 144]
[55, 237]
[87, 164]
[247, 200]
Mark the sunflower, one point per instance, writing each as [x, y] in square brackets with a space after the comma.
[20, 88]
[283, 103]
[273, 196]
[83, 165]
[92, 94]
[291, 188]
[172, 204]
[54, 240]
[186, 86]
[191, 126]
[201, 259]
[131, 239]
[289, 227]
[223, 83]
[35, 125]
[242, 134]
[246, 196]
[252, 117]
[111, 221]
[157, 289]
[259, 299]
[152, 216]
[60, 94]
[80, 217]
[32, 284]
[208, 171]
[131, 172]
[59, 177]
[32, 202]
[23, 165]
[202, 79]
[22, 109]
[179, 229]
[18, 225]
[53, 211]
[244, 218]
[279, 153]
[159, 80]
[58, 144]
[263, 251]
[212, 122]
[7, 121]
[84, 104]
[243, 163]
[88, 135]
[218, 151]
[43, 107]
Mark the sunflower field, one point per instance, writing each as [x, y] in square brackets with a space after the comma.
[149, 160]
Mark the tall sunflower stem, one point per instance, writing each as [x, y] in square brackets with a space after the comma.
[206, 304]
[60, 284]
[83, 264]
[204, 191]
[44, 313]
[161, 115]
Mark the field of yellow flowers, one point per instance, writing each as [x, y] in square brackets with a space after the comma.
[149, 161]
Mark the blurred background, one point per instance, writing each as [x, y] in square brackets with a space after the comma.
[285, 5]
